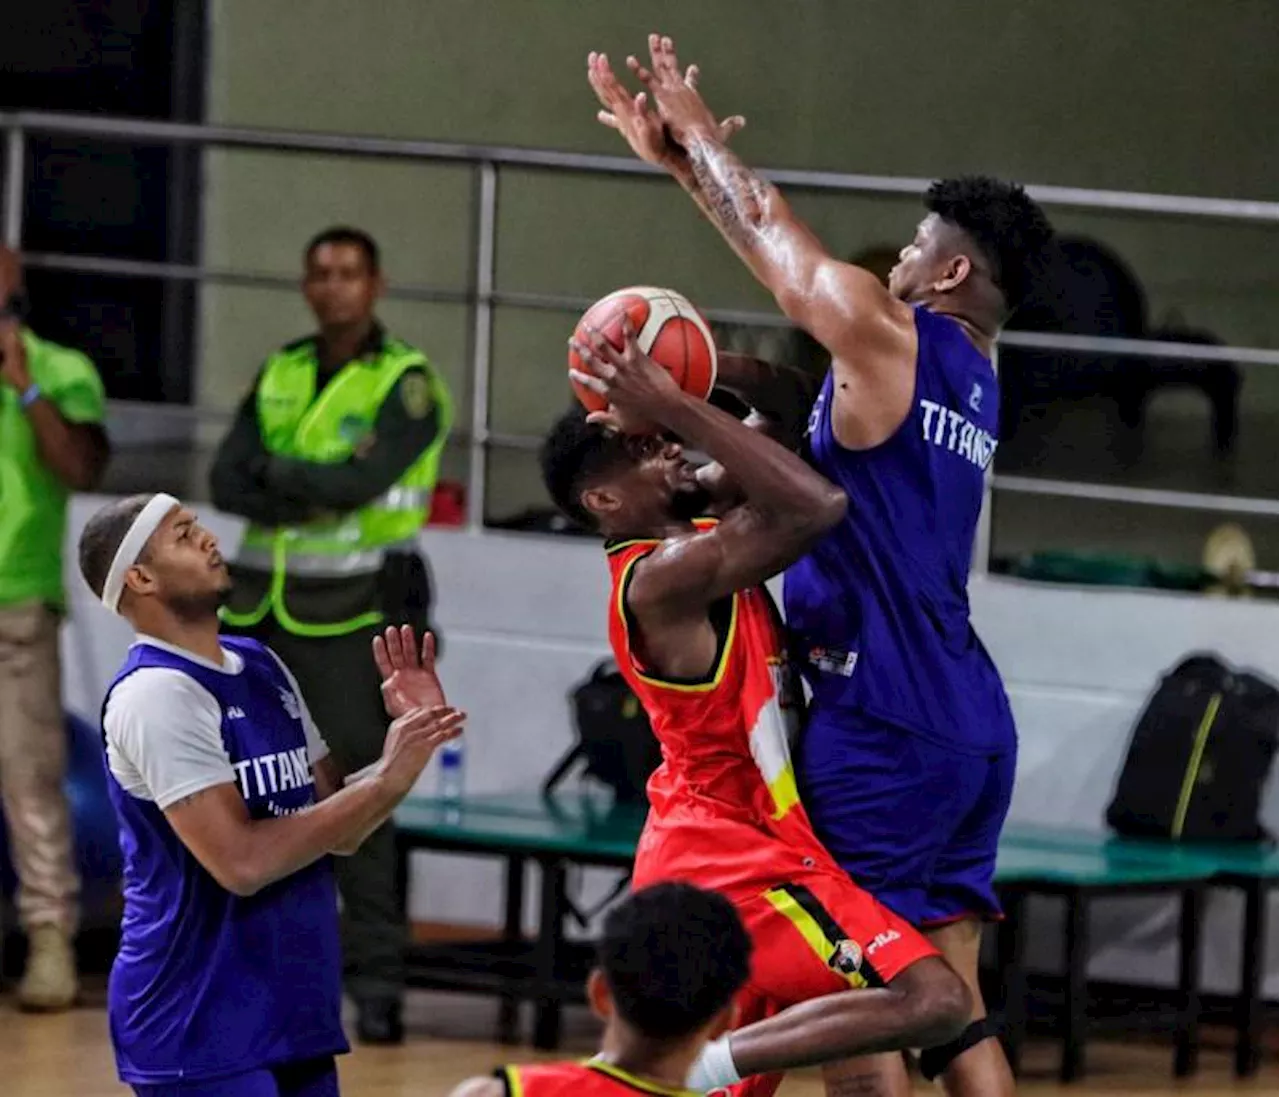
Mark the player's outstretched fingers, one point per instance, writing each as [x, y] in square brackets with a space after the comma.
[639, 71]
[590, 376]
[381, 659]
[429, 651]
[601, 79]
[448, 730]
[589, 381]
[409, 646]
[395, 649]
[662, 52]
[605, 356]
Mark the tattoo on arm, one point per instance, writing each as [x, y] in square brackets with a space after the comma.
[734, 195]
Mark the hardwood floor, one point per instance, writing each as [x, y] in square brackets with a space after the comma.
[69, 1055]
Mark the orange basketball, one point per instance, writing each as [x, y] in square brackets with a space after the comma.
[669, 330]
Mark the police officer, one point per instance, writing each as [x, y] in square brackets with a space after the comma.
[332, 458]
[51, 443]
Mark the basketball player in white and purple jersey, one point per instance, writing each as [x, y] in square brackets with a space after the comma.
[907, 757]
[228, 978]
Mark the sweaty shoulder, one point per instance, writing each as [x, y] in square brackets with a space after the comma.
[873, 367]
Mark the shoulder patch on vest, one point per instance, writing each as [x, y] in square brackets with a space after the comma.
[415, 394]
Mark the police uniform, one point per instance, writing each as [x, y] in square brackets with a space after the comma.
[334, 468]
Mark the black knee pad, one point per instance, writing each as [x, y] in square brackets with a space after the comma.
[934, 1060]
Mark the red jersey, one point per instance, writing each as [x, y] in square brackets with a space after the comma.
[724, 811]
[590, 1079]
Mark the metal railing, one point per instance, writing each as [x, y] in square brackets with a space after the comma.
[483, 296]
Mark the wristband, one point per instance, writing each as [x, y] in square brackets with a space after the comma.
[30, 395]
[714, 1068]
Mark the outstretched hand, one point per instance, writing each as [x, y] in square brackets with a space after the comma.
[675, 94]
[643, 128]
[637, 389]
[409, 679]
[411, 741]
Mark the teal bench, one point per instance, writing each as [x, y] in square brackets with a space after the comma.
[1252, 869]
[560, 831]
[519, 828]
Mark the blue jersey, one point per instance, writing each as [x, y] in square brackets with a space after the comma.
[878, 611]
[206, 983]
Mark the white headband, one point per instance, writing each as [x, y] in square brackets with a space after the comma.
[131, 547]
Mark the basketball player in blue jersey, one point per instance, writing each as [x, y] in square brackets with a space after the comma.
[228, 978]
[907, 760]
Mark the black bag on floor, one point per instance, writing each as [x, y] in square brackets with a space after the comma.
[1199, 756]
[614, 736]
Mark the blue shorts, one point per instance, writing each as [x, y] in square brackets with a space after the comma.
[309, 1078]
[913, 822]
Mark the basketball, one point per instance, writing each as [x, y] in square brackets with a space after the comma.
[669, 330]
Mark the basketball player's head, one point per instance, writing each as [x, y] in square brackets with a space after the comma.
[670, 962]
[614, 483]
[148, 559]
[978, 251]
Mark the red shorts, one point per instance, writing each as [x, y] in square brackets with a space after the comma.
[818, 935]
[813, 930]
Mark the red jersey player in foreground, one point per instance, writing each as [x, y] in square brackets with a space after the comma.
[668, 963]
[700, 642]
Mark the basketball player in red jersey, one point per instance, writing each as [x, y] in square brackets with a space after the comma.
[668, 963]
[699, 640]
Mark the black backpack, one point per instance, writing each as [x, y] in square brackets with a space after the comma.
[614, 736]
[1199, 756]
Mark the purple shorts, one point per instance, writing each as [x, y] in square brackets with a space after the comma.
[312, 1078]
[912, 821]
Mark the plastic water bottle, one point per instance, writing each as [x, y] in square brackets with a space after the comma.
[450, 776]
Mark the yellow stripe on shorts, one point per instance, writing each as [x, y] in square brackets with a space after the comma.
[816, 937]
[515, 1087]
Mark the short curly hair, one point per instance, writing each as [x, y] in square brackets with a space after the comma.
[574, 454]
[674, 956]
[1009, 226]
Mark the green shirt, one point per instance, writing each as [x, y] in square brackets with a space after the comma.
[33, 501]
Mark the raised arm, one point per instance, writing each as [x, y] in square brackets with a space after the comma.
[869, 333]
[164, 740]
[787, 505]
[245, 855]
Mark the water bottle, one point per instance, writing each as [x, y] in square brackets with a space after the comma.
[450, 776]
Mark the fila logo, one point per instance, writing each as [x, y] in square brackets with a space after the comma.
[882, 939]
[235, 713]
